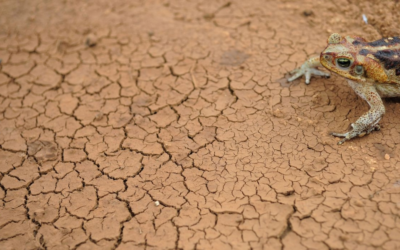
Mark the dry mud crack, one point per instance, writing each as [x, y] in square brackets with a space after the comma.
[169, 125]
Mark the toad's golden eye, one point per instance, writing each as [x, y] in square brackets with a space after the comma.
[343, 62]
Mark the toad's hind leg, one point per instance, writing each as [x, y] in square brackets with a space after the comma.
[368, 121]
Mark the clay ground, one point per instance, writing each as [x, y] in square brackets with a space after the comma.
[170, 125]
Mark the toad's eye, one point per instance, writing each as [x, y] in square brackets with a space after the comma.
[343, 62]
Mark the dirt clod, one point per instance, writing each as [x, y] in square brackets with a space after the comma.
[308, 13]
[91, 40]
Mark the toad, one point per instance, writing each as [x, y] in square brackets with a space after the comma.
[372, 70]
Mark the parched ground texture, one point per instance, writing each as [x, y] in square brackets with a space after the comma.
[170, 125]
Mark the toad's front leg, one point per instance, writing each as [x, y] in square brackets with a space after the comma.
[368, 121]
[308, 69]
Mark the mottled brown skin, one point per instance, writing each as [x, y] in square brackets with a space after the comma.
[372, 70]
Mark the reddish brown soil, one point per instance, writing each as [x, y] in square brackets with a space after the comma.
[169, 125]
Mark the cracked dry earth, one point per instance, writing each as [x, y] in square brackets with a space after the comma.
[170, 125]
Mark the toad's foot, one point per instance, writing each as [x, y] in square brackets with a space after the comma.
[354, 133]
[308, 72]
[308, 69]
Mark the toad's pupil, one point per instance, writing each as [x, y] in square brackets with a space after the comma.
[343, 62]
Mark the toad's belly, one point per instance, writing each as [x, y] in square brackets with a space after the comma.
[388, 90]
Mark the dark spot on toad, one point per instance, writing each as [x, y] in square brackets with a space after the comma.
[364, 52]
[390, 58]
[385, 42]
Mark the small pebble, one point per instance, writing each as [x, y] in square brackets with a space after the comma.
[157, 203]
[307, 13]
[365, 19]
[358, 203]
[98, 116]
[91, 41]
[387, 156]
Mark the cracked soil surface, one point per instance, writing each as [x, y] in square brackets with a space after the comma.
[170, 125]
